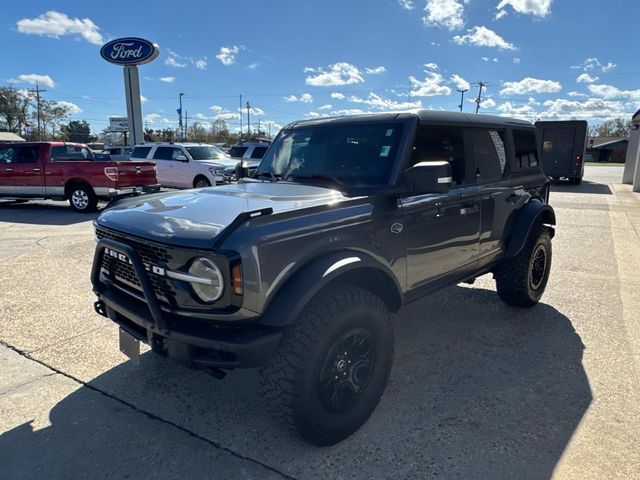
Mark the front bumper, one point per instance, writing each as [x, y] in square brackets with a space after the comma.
[191, 339]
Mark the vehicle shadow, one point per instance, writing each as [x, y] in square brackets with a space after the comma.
[478, 390]
[42, 213]
[584, 187]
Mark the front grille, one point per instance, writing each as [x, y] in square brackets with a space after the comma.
[123, 274]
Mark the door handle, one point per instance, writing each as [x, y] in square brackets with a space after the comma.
[36, 170]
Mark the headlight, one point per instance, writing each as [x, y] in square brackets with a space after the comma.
[210, 287]
[217, 171]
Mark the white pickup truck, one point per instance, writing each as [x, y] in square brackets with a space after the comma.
[185, 165]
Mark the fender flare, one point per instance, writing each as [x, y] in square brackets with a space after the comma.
[531, 213]
[294, 294]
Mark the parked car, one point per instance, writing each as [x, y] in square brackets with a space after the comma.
[250, 152]
[60, 171]
[185, 165]
[297, 269]
[118, 154]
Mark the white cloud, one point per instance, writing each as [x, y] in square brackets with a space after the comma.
[168, 79]
[610, 92]
[253, 66]
[460, 82]
[432, 66]
[516, 60]
[380, 103]
[152, 117]
[500, 14]
[608, 67]
[304, 98]
[341, 73]
[55, 24]
[217, 109]
[509, 109]
[586, 78]
[375, 70]
[201, 63]
[348, 111]
[593, 63]
[577, 94]
[227, 116]
[326, 106]
[444, 13]
[433, 84]
[537, 8]
[227, 55]
[34, 79]
[142, 98]
[337, 96]
[530, 85]
[72, 108]
[585, 109]
[174, 60]
[483, 37]
[407, 4]
[485, 59]
[487, 103]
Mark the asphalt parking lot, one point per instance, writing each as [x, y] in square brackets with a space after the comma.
[478, 389]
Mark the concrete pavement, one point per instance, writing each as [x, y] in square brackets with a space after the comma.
[478, 389]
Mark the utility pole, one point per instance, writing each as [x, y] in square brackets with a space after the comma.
[269, 127]
[479, 99]
[248, 121]
[38, 92]
[180, 120]
[258, 127]
[186, 126]
[240, 119]
[462, 91]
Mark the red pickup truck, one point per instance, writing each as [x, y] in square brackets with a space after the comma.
[69, 171]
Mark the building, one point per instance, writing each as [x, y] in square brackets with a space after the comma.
[8, 137]
[607, 149]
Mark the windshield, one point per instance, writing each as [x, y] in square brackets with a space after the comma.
[206, 152]
[356, 154]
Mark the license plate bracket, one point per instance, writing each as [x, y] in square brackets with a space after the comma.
[130, 346]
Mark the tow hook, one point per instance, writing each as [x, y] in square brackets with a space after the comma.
[99, 307]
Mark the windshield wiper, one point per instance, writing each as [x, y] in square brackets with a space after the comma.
[268, 173]
[316, 176]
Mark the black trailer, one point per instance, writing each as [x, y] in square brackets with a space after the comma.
[562, 146]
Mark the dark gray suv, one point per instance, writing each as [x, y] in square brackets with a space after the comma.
[297, 269]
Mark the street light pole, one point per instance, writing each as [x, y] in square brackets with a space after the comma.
[462, 90]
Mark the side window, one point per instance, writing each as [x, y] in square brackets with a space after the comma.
[6, 154]
[489, 155]
[141, 152]
[176, 153]
[162, 153]
[65, 153]
[441, 143]
[28, 154]
[237, 151]
[258, 152]
[526, 149]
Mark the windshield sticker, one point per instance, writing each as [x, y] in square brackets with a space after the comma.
[389, 132]
[499, 144]
[384, 151]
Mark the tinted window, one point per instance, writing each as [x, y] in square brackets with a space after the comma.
[6, 154]
[206, 152]
[28, 154]
[441, 144]
[354, 154]
[526, 149]
[71, 153]
[237, 151]
[489, 155]
[141, 152]
[167, 153]
[258, 152]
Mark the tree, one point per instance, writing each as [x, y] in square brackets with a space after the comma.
[618, 127]
[77, 131]
[52, 114]
[14, 109]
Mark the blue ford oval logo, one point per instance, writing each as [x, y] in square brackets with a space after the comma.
[129, 51]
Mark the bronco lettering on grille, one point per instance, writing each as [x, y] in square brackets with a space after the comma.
[123, 258]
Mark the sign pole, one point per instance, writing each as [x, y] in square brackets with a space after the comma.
[134, 106]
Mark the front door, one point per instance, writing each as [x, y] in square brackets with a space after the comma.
[7, 184]
[171, 172]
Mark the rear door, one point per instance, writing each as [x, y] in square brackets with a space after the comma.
[27, 171]
[557, 150]
[7, 183]
[171, 171]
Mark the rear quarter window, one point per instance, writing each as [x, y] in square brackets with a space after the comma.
[237, 151]
[67, 153]
[526, 155]
[489, 155]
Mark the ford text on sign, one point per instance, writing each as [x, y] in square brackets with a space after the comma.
[129, 51]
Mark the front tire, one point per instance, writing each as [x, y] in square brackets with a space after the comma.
[82, 198]
[332, 365]
[521, 280]
[201, 182]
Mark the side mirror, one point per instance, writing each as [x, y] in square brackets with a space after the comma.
[242, 169]
[429, 177]
[182, 158]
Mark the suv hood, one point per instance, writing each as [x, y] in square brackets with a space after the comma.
[193, 218]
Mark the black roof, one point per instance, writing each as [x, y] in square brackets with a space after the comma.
[425, 117]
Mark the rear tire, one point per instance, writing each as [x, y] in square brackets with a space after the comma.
[201, 182]
[82, 198]
[521, 280]
[331, 367]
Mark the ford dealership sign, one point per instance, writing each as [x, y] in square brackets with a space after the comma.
[129, 51]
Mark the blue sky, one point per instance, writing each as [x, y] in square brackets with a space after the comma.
[299, 59]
